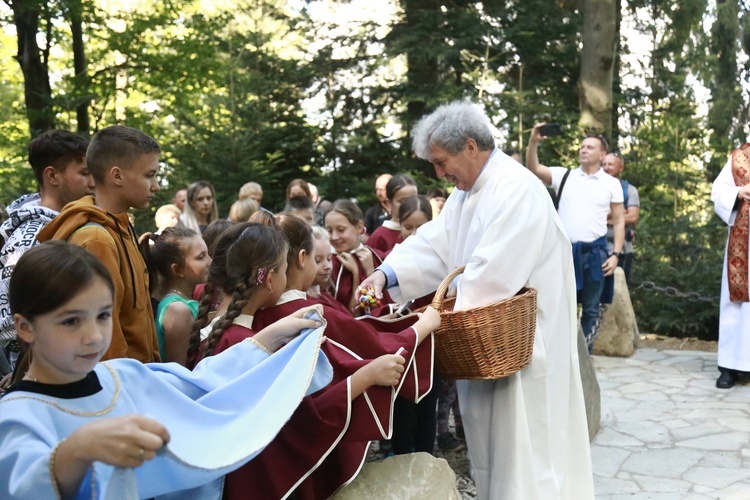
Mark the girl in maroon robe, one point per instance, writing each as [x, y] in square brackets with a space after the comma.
[322, 286]
[213, 301]
[384, 238]
[415, 424]
[353, 261]
[325, 443]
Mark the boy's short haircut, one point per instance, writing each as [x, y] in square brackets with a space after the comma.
[57, 149]
[117, 145]
[300, 202]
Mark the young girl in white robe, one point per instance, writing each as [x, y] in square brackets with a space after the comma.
[72, 427]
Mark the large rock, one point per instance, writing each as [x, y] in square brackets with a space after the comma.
[414, 476]
[591, 391]
[618, 335]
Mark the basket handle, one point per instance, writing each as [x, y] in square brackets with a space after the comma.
[437, 301]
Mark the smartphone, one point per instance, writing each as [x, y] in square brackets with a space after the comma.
[550, 129]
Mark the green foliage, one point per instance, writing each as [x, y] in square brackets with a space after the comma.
[265, 91]
[16, 175]
[679, 242]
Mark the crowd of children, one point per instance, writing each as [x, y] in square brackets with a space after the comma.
[254, 304]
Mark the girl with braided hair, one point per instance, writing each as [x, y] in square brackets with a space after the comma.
[255, 278]
[209, 308]
[177, 261]
[355, 409]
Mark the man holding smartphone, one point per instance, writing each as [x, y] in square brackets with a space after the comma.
[588, 196]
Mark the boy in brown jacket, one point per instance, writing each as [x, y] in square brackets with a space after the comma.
[124, 162]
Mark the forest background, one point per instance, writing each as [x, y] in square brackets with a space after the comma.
[325, 90]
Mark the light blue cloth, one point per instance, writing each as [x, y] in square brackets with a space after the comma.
[219, 417]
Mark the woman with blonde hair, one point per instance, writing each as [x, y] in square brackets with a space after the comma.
[200, 208]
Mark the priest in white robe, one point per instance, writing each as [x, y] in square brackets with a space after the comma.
[526, 433]
[731, 197]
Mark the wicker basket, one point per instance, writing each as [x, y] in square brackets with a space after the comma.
[487, 342]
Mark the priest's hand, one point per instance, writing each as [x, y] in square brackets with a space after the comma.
[376, 280]
[744, 193]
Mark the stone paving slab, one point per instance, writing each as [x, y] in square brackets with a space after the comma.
[667, 432]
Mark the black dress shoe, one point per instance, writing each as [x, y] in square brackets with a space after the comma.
[726, 380]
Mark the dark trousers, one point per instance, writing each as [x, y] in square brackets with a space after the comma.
[626, 264]
[414, 423]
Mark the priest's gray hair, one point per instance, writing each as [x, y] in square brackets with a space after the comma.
[449, 126]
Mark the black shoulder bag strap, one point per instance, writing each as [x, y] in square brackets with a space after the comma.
[559, 191]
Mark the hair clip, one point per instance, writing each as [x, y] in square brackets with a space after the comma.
[261, 275]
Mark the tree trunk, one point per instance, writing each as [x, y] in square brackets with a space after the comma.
[422, 16]
[726, 97]
[37, 91]
[79, 65]
[616, 81]
[597, 63]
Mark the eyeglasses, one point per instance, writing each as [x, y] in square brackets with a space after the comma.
[601, 138]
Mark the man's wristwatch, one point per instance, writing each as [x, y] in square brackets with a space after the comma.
[619, 256]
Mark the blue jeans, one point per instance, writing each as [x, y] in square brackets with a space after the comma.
[590, 296]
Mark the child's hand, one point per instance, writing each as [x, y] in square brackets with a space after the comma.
[385, 370]
[124, 441]
[364, 255]
[119, 441]
[280, 333]
[429, 320]
[349, 262]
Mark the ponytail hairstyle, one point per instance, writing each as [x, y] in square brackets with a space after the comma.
[46, 278]
[263, 217]
[349, 210]
[217, 281]
[160, 251]
[257, 251]
[298, 234]
[243, 209]
[48, 275]
[397, 182]
[413, 204]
